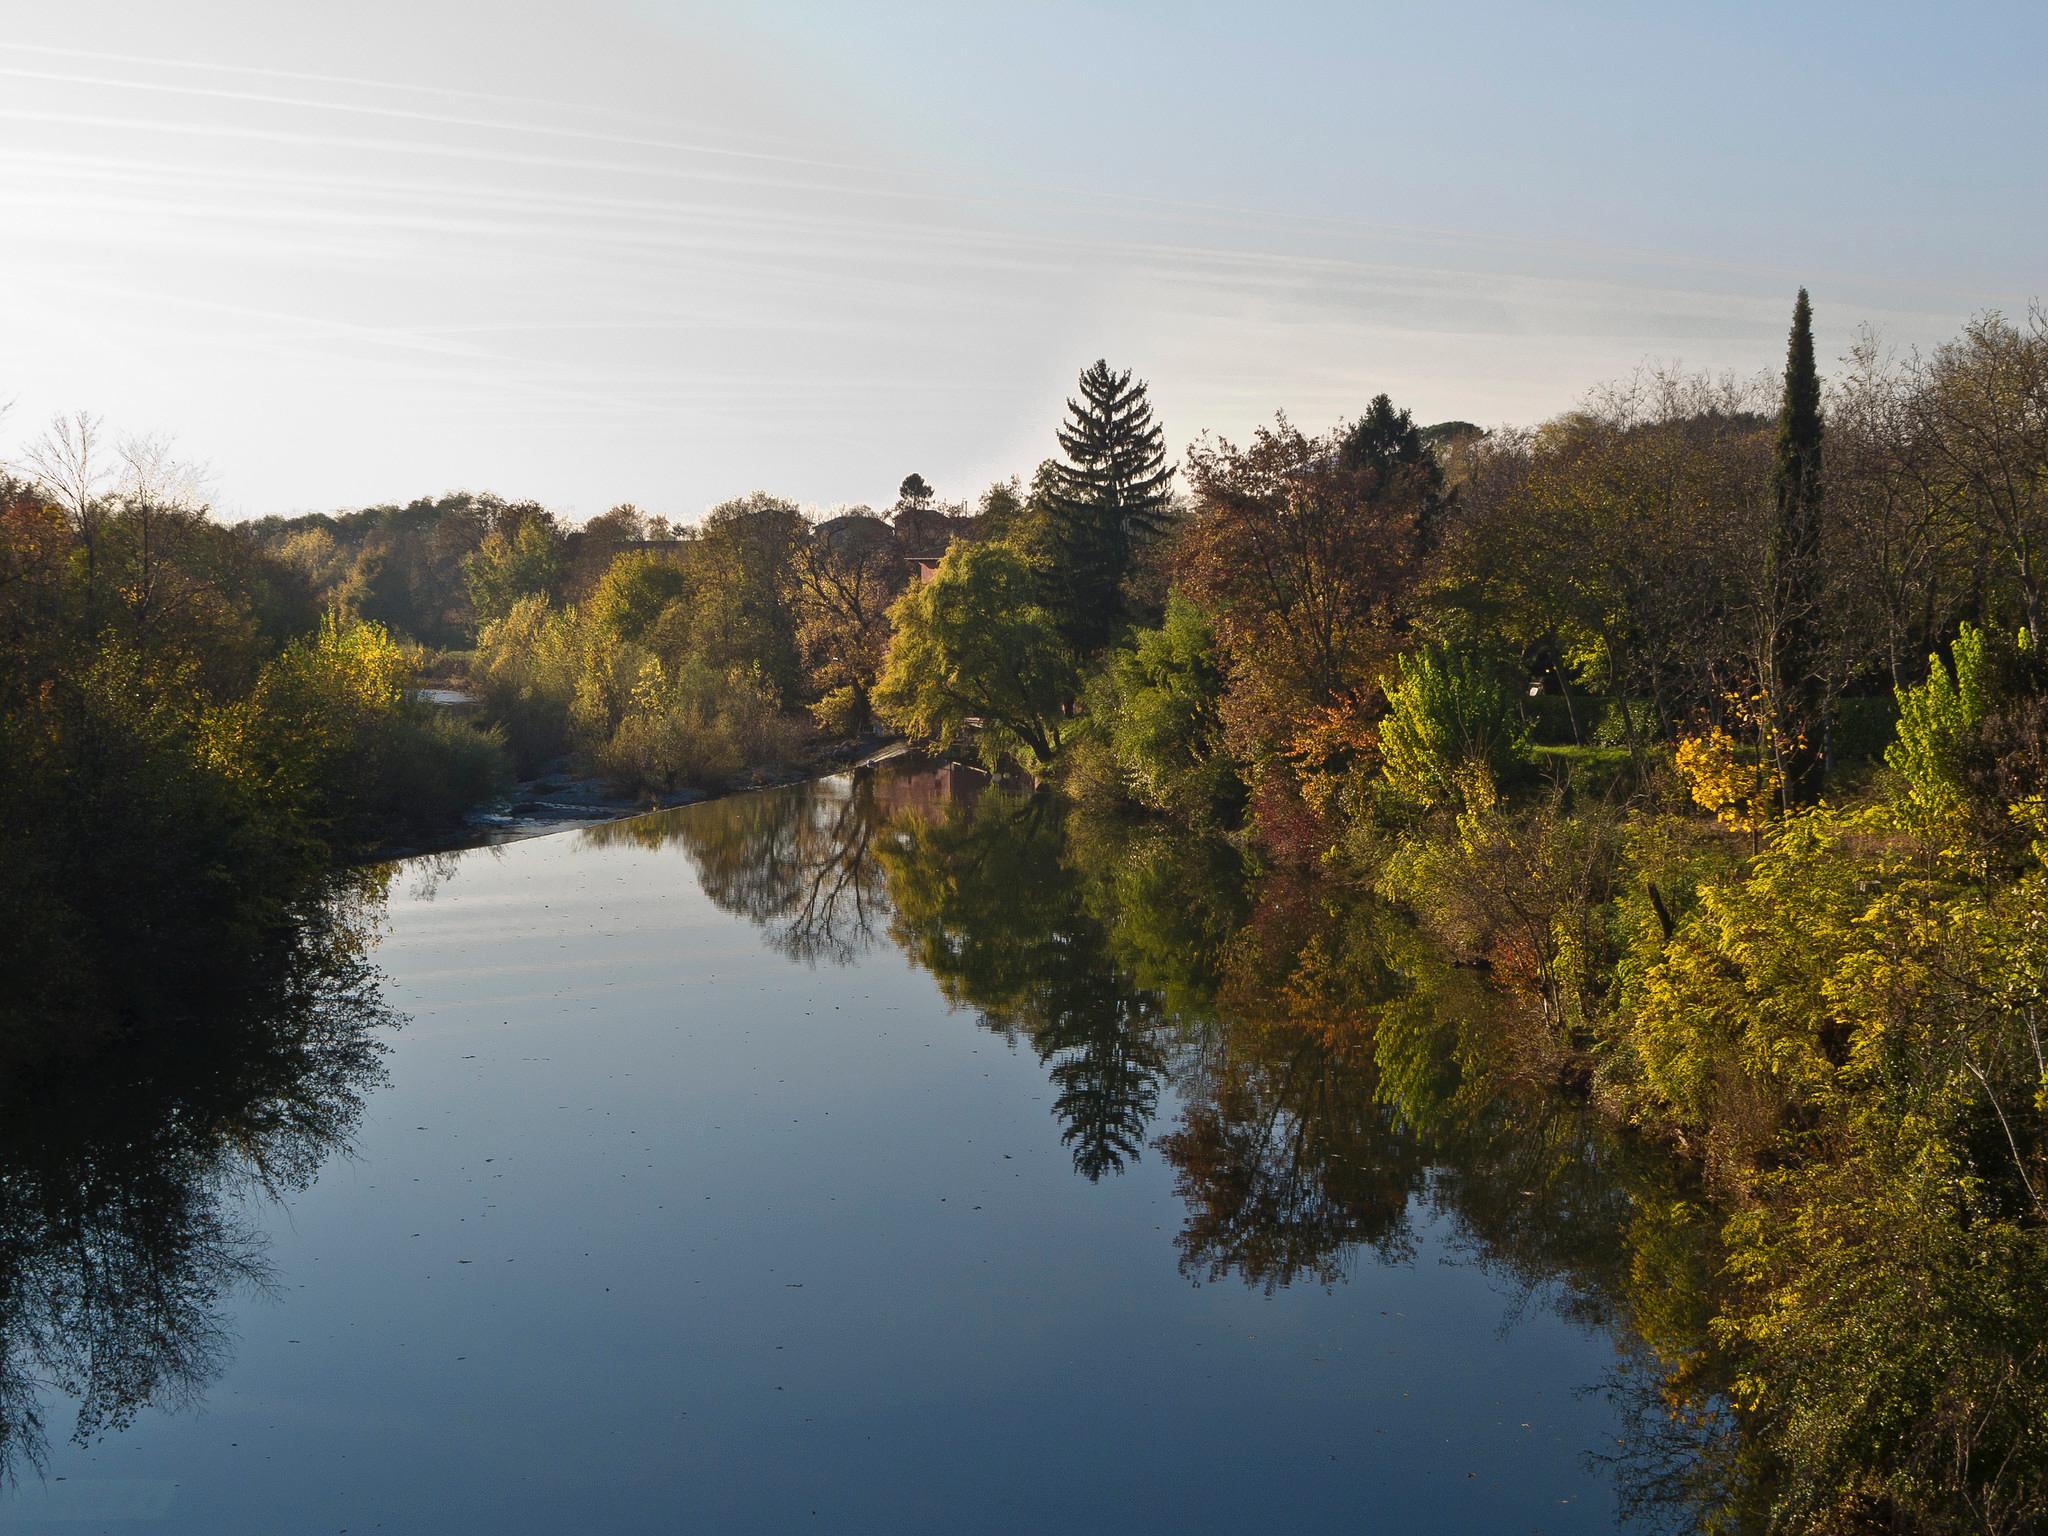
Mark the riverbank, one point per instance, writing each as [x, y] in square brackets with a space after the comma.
[560, 799]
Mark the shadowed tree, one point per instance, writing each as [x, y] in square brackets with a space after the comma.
[847, 572]
[1108, 499]
[1792, 650]
[920, 522]
[1385, 443]
[1982, 411]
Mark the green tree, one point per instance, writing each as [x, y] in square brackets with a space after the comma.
[634, 592]
[1447, 713]
[1793, 649]
[1385, 443]
[526, 562]
[1109, 498]
[744, 607]
[1157, 703]
[974, 647]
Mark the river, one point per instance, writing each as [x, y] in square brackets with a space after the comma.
[884, 1154]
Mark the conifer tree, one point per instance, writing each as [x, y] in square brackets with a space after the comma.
[1106, 499]
[1385, 443]
[1797, 683]
[1384, 440]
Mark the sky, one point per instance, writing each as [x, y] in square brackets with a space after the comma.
[669, 253]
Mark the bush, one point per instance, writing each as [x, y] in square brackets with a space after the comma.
[839, 712]
[527, 667]
[697, 729]
[436, 766]
[1446, 714]
[1934, 721]
[309, 734]
[1583, 720]
[1155, 709]
[333, 733]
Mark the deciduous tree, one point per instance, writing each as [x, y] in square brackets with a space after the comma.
[974, 650]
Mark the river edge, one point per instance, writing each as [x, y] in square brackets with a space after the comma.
[566, 801]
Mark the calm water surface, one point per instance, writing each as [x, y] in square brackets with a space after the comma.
[850, 1157]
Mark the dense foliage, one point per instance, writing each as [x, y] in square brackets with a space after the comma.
[1712, 764]
[1645, 717]
[186, 748]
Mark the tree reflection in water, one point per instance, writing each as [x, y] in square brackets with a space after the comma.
[985, 900]
[123, 1163]
[969, 879]
[1336, 1082]
[799, 862]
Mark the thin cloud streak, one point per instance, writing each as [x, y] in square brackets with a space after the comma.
[480, 285]
[998, 193]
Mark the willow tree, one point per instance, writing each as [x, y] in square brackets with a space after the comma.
[1107, 498]
[974, 655]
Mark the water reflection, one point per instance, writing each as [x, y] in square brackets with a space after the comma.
[801, 864]
[126, 1158]
[1333, 1081]
[986, 900]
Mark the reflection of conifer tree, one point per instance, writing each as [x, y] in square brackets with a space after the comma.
[1102, 1054]
[1336, 1076]
[985, 902]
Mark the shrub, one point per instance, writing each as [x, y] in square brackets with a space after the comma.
[310, 730]
[436, 766]
[527, 667]
[1934, 721]
[1742, 789]
[1155, 708]
[1447, 713]
[838, 712]
[697, 729]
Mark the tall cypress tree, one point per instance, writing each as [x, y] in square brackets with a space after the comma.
[1797, 685]
[1107, 498]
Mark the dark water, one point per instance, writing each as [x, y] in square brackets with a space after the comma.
[874, 1155]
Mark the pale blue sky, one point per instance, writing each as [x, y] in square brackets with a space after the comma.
[668, 252]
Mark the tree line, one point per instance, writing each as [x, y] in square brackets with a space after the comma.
[1707, 723]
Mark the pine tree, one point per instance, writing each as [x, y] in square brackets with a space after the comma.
[1383, 440]
[1385, 443]
[1107, 499]
[1797, 682]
